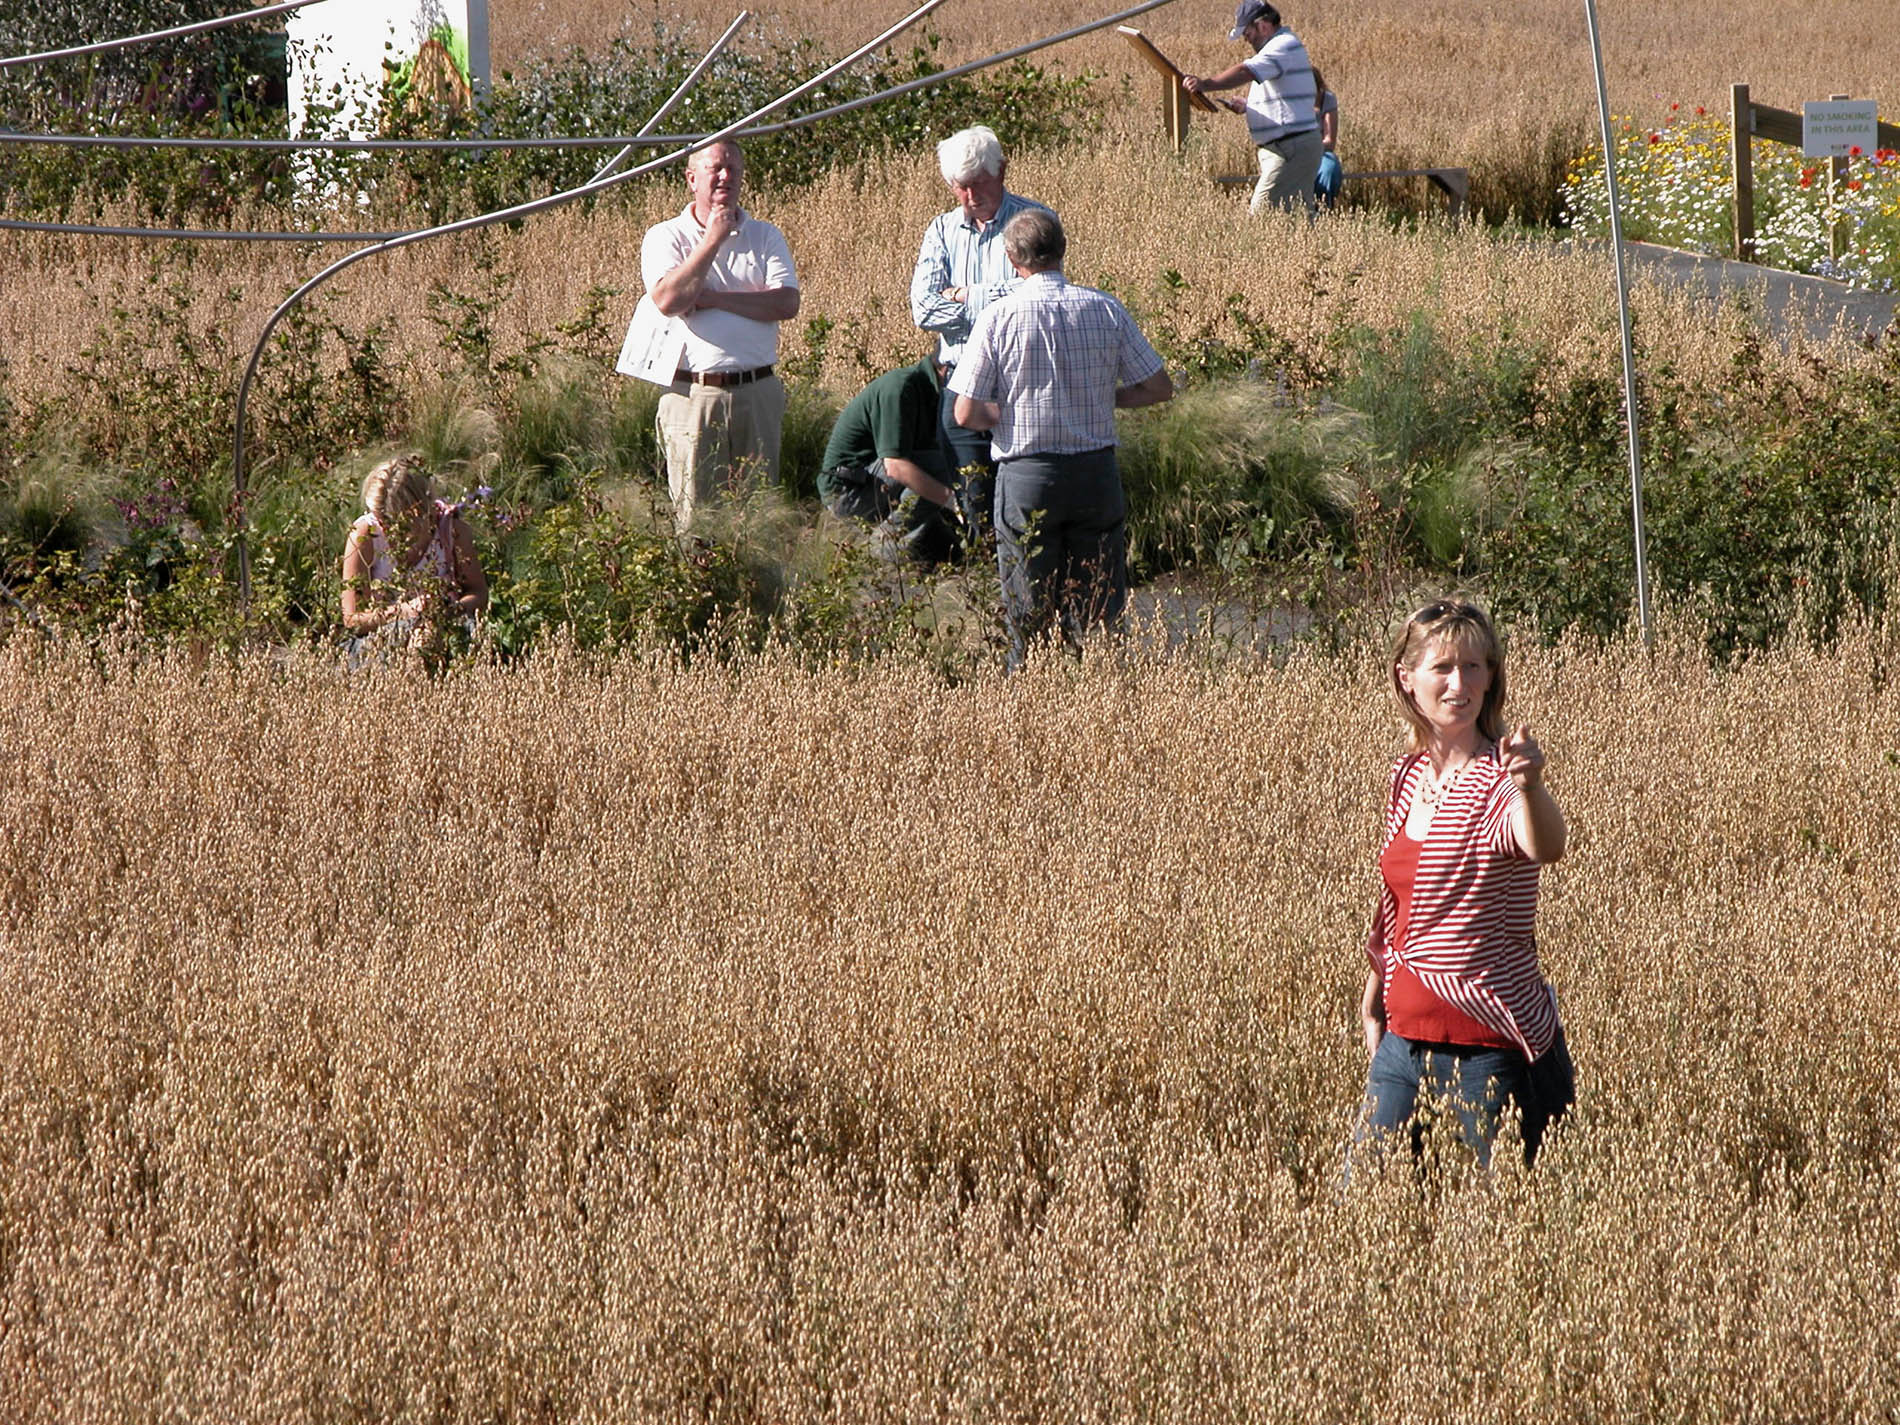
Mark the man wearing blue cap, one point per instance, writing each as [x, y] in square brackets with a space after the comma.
[1281, 107]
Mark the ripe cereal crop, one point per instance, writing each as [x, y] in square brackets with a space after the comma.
[625, 1040]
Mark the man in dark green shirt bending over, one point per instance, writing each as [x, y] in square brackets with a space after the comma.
[887, 461]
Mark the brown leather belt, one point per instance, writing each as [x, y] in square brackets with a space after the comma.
[723, 378]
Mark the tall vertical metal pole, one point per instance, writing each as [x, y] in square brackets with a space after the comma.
[1623, 311]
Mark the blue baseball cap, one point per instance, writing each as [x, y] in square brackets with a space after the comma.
[1249, 11]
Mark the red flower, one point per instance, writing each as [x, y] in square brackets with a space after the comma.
[1674, 107]
[1807, 179]
[1853, 185]
[1655, 138]
[1853, 151]
[1700, 111]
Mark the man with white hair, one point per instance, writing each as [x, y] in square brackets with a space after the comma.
[961, 269]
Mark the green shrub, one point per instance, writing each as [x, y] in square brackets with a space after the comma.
[633, 441]
[604, 575]
[810, 413]
[558, 430]
[1763, 519]
[614, 92]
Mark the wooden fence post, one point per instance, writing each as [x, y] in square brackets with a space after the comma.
[1742, 126]
[1174, 111]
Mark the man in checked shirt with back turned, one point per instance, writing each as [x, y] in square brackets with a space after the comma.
[1045, 369]
[961, 269]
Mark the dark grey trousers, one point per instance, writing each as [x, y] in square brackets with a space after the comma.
[1061, 545]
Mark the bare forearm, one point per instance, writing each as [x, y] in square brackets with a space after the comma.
[913, 476]
[469, 576]
[1231, 78]
[361, 621]
[677, 293]
[774, 304]
[1539, 824]
[468, 604]
[977, 415]
[1151, 392]
[1372, 1010]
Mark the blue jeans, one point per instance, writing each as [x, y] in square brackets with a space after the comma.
[1478, 1083]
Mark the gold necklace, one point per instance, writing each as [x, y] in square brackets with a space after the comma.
[1433, 785]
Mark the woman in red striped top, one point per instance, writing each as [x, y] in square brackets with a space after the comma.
[1455, 1005]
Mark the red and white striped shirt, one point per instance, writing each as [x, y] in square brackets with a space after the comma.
[1470, 937]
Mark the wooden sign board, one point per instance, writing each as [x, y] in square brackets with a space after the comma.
[1832, 128]
[1145, 47]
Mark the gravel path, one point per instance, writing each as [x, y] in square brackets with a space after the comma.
[1788, 300]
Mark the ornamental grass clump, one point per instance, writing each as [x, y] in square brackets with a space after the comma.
[1227, 470]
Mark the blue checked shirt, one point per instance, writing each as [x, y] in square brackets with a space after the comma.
[959, 253]
[1052, 356]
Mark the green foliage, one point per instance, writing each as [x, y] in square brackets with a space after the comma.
[1405, 455]
[559, 424]
[182, 77]
[1197, 348]
[213, 84]
[810, 413]
[619, 90]
[56, 502]
[158, 382]
[615, 92]
[1766, 516]
[633, 433]
[604, 575]
[1427, 397]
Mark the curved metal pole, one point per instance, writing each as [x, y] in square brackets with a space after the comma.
[1629, 345]
[520, 210]
[642, 140]
[152, 35]
[30, 225]
[652, 140]
[333, 145]
[736, 130]
[719, 46]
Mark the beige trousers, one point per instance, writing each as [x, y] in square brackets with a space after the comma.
[718, 439]
[1287, 170]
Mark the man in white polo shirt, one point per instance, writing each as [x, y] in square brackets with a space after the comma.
[1281, 108]
[727, 277]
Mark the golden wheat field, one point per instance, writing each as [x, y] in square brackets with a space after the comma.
[621, 1040]
[1442, 82]
[854, 238]
[1455, 82]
